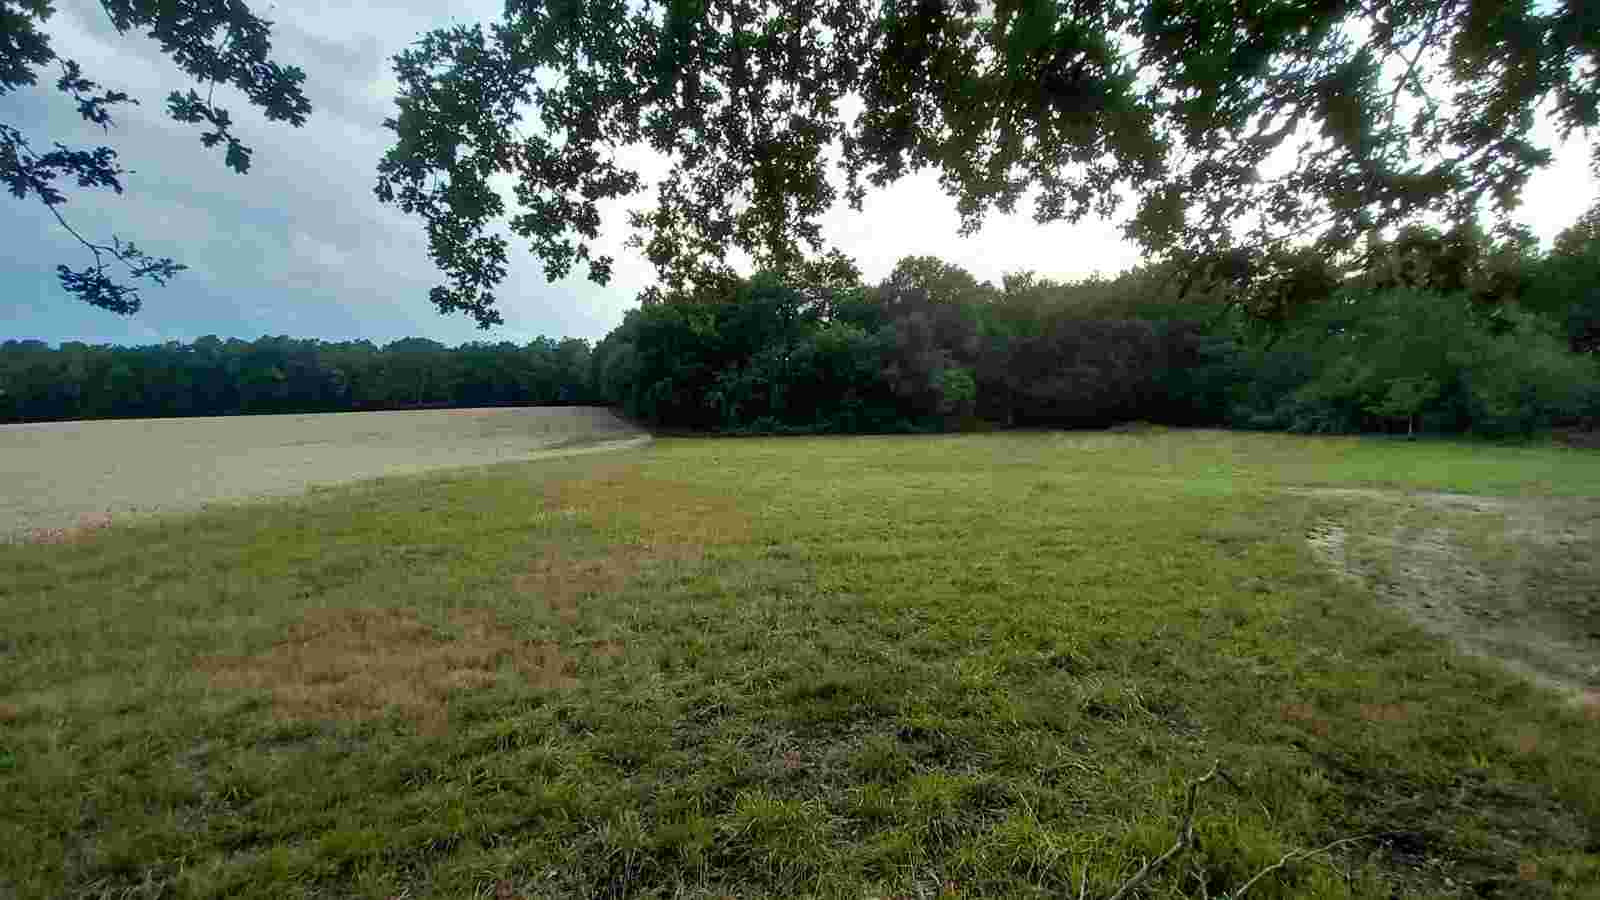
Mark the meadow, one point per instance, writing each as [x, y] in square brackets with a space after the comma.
[983, 665]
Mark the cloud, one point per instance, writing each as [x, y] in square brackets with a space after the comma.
[301, 246]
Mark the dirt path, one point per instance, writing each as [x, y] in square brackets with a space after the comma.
[1513, 579]
[59, 477]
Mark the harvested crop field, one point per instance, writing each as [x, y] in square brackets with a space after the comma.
[58, 479]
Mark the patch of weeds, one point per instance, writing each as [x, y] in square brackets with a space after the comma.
[1017, 850]
[936, 806]
[688, 838]
[786, 842]
[882, 760]
[630, 742]
[835, 700]
[888, 854]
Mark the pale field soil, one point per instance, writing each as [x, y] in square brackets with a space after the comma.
[1515, 579]
[59, 478]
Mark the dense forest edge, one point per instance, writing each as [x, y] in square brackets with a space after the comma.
[1431, 331]
[215, 377]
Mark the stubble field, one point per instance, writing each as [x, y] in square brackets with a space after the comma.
[57, 477]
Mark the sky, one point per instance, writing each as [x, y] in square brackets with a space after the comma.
[300, 246]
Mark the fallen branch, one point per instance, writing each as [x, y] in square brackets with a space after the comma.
[1185, 837]
[1293, 856]
[1186, 840]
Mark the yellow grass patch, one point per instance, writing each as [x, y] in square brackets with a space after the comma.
[359, 664]
[666, 513]
[674, 523]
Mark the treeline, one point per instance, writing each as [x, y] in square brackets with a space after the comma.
[929, 349]
[282, 375]
[1435, 331]
[1432, 331]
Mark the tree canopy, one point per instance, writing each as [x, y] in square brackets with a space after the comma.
[211, 41]
[1225, 123]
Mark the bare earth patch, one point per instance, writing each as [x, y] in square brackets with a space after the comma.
[1512, 579]
[359, 664]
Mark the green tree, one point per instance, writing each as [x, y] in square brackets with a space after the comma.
[1464, 259]
[1405, 399]
[1566, 286]
[941, 282]
[1372, 359]
[211, 41]
[1381, 109]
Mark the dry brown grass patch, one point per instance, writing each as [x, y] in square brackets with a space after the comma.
[361, 664]
[667, 513]
[566, 582]
[608, 649]
[1589, 702]
[674, 522]
[88, 524]
[1385, 712]
[1306, 715]
[563, 581]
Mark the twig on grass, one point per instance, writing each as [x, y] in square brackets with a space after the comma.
[1223, 774]
[1186, 840]
[1293, 856]
[1185, 836]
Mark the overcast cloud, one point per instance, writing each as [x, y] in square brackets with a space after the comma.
[299, 246]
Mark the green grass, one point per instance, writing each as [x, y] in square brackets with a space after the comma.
[979, 665]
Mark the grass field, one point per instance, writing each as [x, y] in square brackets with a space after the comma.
[977, 665]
